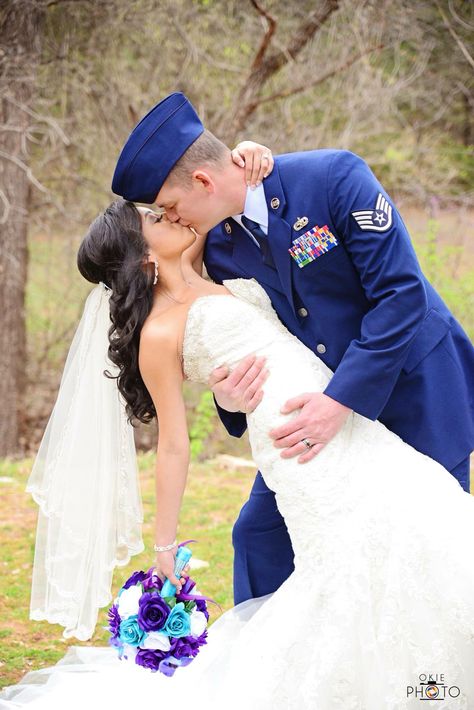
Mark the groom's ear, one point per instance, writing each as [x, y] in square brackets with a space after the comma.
[204, 180]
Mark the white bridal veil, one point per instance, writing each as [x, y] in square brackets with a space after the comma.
[85, 481]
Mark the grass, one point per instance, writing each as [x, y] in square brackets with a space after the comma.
[211, 504]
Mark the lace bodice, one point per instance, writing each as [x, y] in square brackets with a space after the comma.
[212, 337]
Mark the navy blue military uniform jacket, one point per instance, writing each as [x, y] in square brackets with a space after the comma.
[354, 293]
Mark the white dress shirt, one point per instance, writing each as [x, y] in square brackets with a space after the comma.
[255, 208]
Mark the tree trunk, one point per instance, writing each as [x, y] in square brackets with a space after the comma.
[20, 30]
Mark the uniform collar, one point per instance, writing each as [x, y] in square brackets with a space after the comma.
[255, 207]
[273, 189]
[280, 236]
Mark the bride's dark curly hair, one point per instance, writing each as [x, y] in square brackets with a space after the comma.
[113, 251]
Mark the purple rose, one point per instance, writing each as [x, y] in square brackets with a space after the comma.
[150, 658]
[187, 645]
[134, 579]
[153, 611]
[114, 621]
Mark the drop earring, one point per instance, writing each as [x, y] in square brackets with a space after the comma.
[156, 273]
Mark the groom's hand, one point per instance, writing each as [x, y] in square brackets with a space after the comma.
[241, 390]
[320, 419]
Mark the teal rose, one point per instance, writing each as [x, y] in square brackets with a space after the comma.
[178, 622]
[130, 631]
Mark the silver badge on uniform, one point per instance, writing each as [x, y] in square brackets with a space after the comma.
[378, 219]
[300, 223]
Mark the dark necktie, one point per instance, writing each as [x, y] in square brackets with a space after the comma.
[257, 232]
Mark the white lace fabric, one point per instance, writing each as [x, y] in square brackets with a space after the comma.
[382, 529]
[383, 586]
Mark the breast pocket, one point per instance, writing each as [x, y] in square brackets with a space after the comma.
[323, 261]
[432, 331]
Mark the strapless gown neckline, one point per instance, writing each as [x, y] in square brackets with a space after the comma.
[190, 315]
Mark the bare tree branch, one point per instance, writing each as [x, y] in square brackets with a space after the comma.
[261, 70]
[265, 43]
[52, 3]
[29, 174]
[456, 37]
[337, 70]
[459, 19]
[6, 207]
[41, 118]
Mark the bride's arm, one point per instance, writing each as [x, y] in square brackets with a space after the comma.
[160, 369]
[257, 160]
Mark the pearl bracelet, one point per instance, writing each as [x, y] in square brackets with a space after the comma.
[165, 548]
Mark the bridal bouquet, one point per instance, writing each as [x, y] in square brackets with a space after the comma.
[155, 631]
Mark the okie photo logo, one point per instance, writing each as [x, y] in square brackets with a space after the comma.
[432, 686]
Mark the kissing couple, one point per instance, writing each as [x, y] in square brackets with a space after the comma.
[317, 331]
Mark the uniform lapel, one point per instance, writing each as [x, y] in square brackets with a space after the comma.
[247, 255]
[279, 232]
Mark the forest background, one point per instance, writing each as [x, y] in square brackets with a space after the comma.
[392, 80]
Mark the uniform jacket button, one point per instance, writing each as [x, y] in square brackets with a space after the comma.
[321, 348]
[302, 312]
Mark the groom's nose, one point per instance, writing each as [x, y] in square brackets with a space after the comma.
[171, 214]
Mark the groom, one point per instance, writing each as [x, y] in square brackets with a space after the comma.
[325, 241]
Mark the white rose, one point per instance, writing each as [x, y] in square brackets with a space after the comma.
[198, 622]
[156, 639]
[128, 601]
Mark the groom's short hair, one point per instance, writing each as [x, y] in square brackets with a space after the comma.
[206, 150]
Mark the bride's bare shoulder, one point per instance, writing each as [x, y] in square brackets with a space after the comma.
[161, 332]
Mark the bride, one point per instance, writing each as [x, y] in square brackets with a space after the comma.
[380, 606]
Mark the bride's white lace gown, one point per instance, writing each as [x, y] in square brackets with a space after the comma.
[383, 586]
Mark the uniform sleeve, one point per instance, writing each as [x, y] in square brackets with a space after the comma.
[234, 422]
[380, 248]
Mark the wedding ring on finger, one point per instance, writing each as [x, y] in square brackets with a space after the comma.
[307, 443]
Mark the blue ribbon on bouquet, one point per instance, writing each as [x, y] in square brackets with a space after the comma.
[193, 597]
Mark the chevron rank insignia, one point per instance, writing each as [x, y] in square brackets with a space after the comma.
[375, 220]
[311, 244]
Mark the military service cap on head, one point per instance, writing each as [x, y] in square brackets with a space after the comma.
[153, 148]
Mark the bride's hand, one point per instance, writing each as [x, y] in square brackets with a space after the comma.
[165, 562]
[240, 390]
[256, 158]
